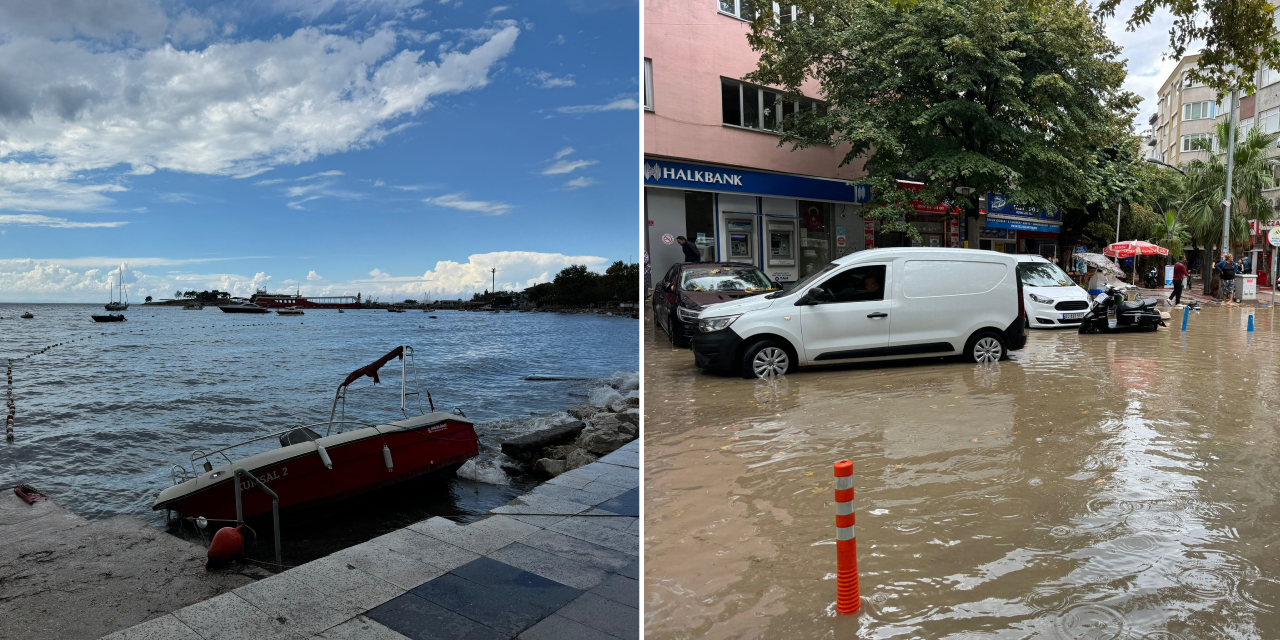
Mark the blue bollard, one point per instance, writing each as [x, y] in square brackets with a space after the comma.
[1186, 313]
[1250, 322]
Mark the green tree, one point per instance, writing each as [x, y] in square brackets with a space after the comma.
[575, 286]
[621, 282]
[1206, 189]
[1234, 37]
[148, 299]
[1010, 96]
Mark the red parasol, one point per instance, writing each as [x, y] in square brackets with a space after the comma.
[1133, 248]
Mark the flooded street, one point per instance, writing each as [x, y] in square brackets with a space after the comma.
[1092, 487]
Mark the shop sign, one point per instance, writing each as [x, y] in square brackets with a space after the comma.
[1021, 225]
[1258, 227]
[955, 233]
[995, 233]
[683, 175]
[840, 237]
[869, 234]
[1273, 236]
[999, 206]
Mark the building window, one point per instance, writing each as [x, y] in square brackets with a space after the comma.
[786, 13]
[1197, 142]
[743, 105]
[741, 9]
[1269, 120]
[648, 84]
[1268, 76]
[1198, 110]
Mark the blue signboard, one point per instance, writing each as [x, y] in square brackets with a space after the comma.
[683, 175]
[1000, 206]
[1019, 225]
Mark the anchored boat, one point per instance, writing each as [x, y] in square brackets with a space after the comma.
[352, 457]
[114, 304]
[243, 306]
[291, 311]
[110, 317]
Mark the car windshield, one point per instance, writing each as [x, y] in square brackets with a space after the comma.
[792, 286]
[1043, 274]
[725, 278]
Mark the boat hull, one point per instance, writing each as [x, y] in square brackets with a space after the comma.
[303, 480]
[109, 318]
[244, 310]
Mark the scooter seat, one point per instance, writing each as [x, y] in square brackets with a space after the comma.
[1137, 305]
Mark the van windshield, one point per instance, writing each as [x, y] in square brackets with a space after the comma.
[1043, 274]
[788, 287]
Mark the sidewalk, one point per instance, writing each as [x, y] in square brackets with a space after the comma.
[559, 562]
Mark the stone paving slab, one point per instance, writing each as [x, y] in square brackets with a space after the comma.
[557, 627]
[559, 562]
[360, 628]
[603, 614]
[623, 458]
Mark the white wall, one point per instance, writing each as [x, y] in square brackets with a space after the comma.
[665, 208]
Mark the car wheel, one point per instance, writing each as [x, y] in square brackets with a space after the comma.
[985, 347]
[765, 359]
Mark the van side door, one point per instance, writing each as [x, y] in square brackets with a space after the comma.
[945, 300]
[849, 317]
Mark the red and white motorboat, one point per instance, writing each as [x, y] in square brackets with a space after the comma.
[352, 457]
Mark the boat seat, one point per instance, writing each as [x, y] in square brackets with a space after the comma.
[298, 436]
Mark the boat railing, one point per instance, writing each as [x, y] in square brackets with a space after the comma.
[275, 508]
[408, 368]
[208, 465]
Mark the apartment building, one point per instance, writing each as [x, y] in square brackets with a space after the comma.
[1186, 112]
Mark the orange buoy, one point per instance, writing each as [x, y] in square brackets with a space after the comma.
[228, 543]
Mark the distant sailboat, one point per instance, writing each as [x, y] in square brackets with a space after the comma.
[123, 302]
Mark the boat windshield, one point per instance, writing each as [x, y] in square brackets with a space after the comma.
[1043, 274]
[725, 278]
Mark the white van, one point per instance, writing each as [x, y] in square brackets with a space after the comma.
[884, 304]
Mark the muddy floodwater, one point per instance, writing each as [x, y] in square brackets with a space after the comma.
[1093, 486]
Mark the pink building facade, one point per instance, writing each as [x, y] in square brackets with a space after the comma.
[713, 170]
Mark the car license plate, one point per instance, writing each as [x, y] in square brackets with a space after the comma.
[1072, 316]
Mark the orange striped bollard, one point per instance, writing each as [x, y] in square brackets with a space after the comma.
[847, 598]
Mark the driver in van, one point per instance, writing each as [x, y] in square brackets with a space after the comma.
[872, 285]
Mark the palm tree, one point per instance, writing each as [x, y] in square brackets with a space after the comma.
[1206, 183]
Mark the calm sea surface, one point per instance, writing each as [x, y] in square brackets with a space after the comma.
[102, 419]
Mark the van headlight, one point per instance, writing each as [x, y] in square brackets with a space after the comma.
[1041, 299]
[707, 325]
[687, 315]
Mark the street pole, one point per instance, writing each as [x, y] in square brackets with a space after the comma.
[1231, 153]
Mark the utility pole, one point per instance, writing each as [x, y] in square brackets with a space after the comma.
[493, 287]
[1231, 153]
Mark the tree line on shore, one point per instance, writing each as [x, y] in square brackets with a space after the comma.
[577, 286]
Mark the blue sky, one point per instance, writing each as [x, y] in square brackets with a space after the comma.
[396, 147]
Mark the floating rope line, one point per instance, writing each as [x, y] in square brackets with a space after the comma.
[12, 409]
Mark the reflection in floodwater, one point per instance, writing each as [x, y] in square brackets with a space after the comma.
[1094, 487]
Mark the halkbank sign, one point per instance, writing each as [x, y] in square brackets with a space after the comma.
[699, 177]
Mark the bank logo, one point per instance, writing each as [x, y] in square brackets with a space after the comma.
[652, 171]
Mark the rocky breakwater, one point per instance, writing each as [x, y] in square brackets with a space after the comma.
[594, 432]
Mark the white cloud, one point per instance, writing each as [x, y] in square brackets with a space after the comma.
[89, 279]
[545, 80]
[107, 19]
[618, 104]
[1146, 50]
[579, 182]
[562, 153]
[322, 174]
[459, 201]
[567, 166]
[312, 276]
[33, 220]
[233, 108]
[498, 9]
[264, 183]
[559, 39]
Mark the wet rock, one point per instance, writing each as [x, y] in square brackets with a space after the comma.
[583, 411]
[622, 404]
[630, 415]
[578, 458]
[609, 421]
[548, 468]
[628, 429]
[558, 452]
[601, 439]
[527, 446]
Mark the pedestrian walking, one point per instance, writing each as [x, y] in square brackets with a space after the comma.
[1227, 270]
[1179, 275]
[691, 253]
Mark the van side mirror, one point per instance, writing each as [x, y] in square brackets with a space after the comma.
[816, 295]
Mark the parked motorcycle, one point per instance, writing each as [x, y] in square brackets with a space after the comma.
[1152, 279]
[1111, 312]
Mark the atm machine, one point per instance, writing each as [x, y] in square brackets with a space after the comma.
[741, 238]
[780, 263]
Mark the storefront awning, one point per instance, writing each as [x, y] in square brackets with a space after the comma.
[701, 177]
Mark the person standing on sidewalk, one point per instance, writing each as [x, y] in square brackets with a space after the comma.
[1227, 275]
[691, 253]
[1179, 274]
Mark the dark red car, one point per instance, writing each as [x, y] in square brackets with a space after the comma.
[690, 286]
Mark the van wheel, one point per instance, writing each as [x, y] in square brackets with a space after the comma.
[765, 359]
[986, 346]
